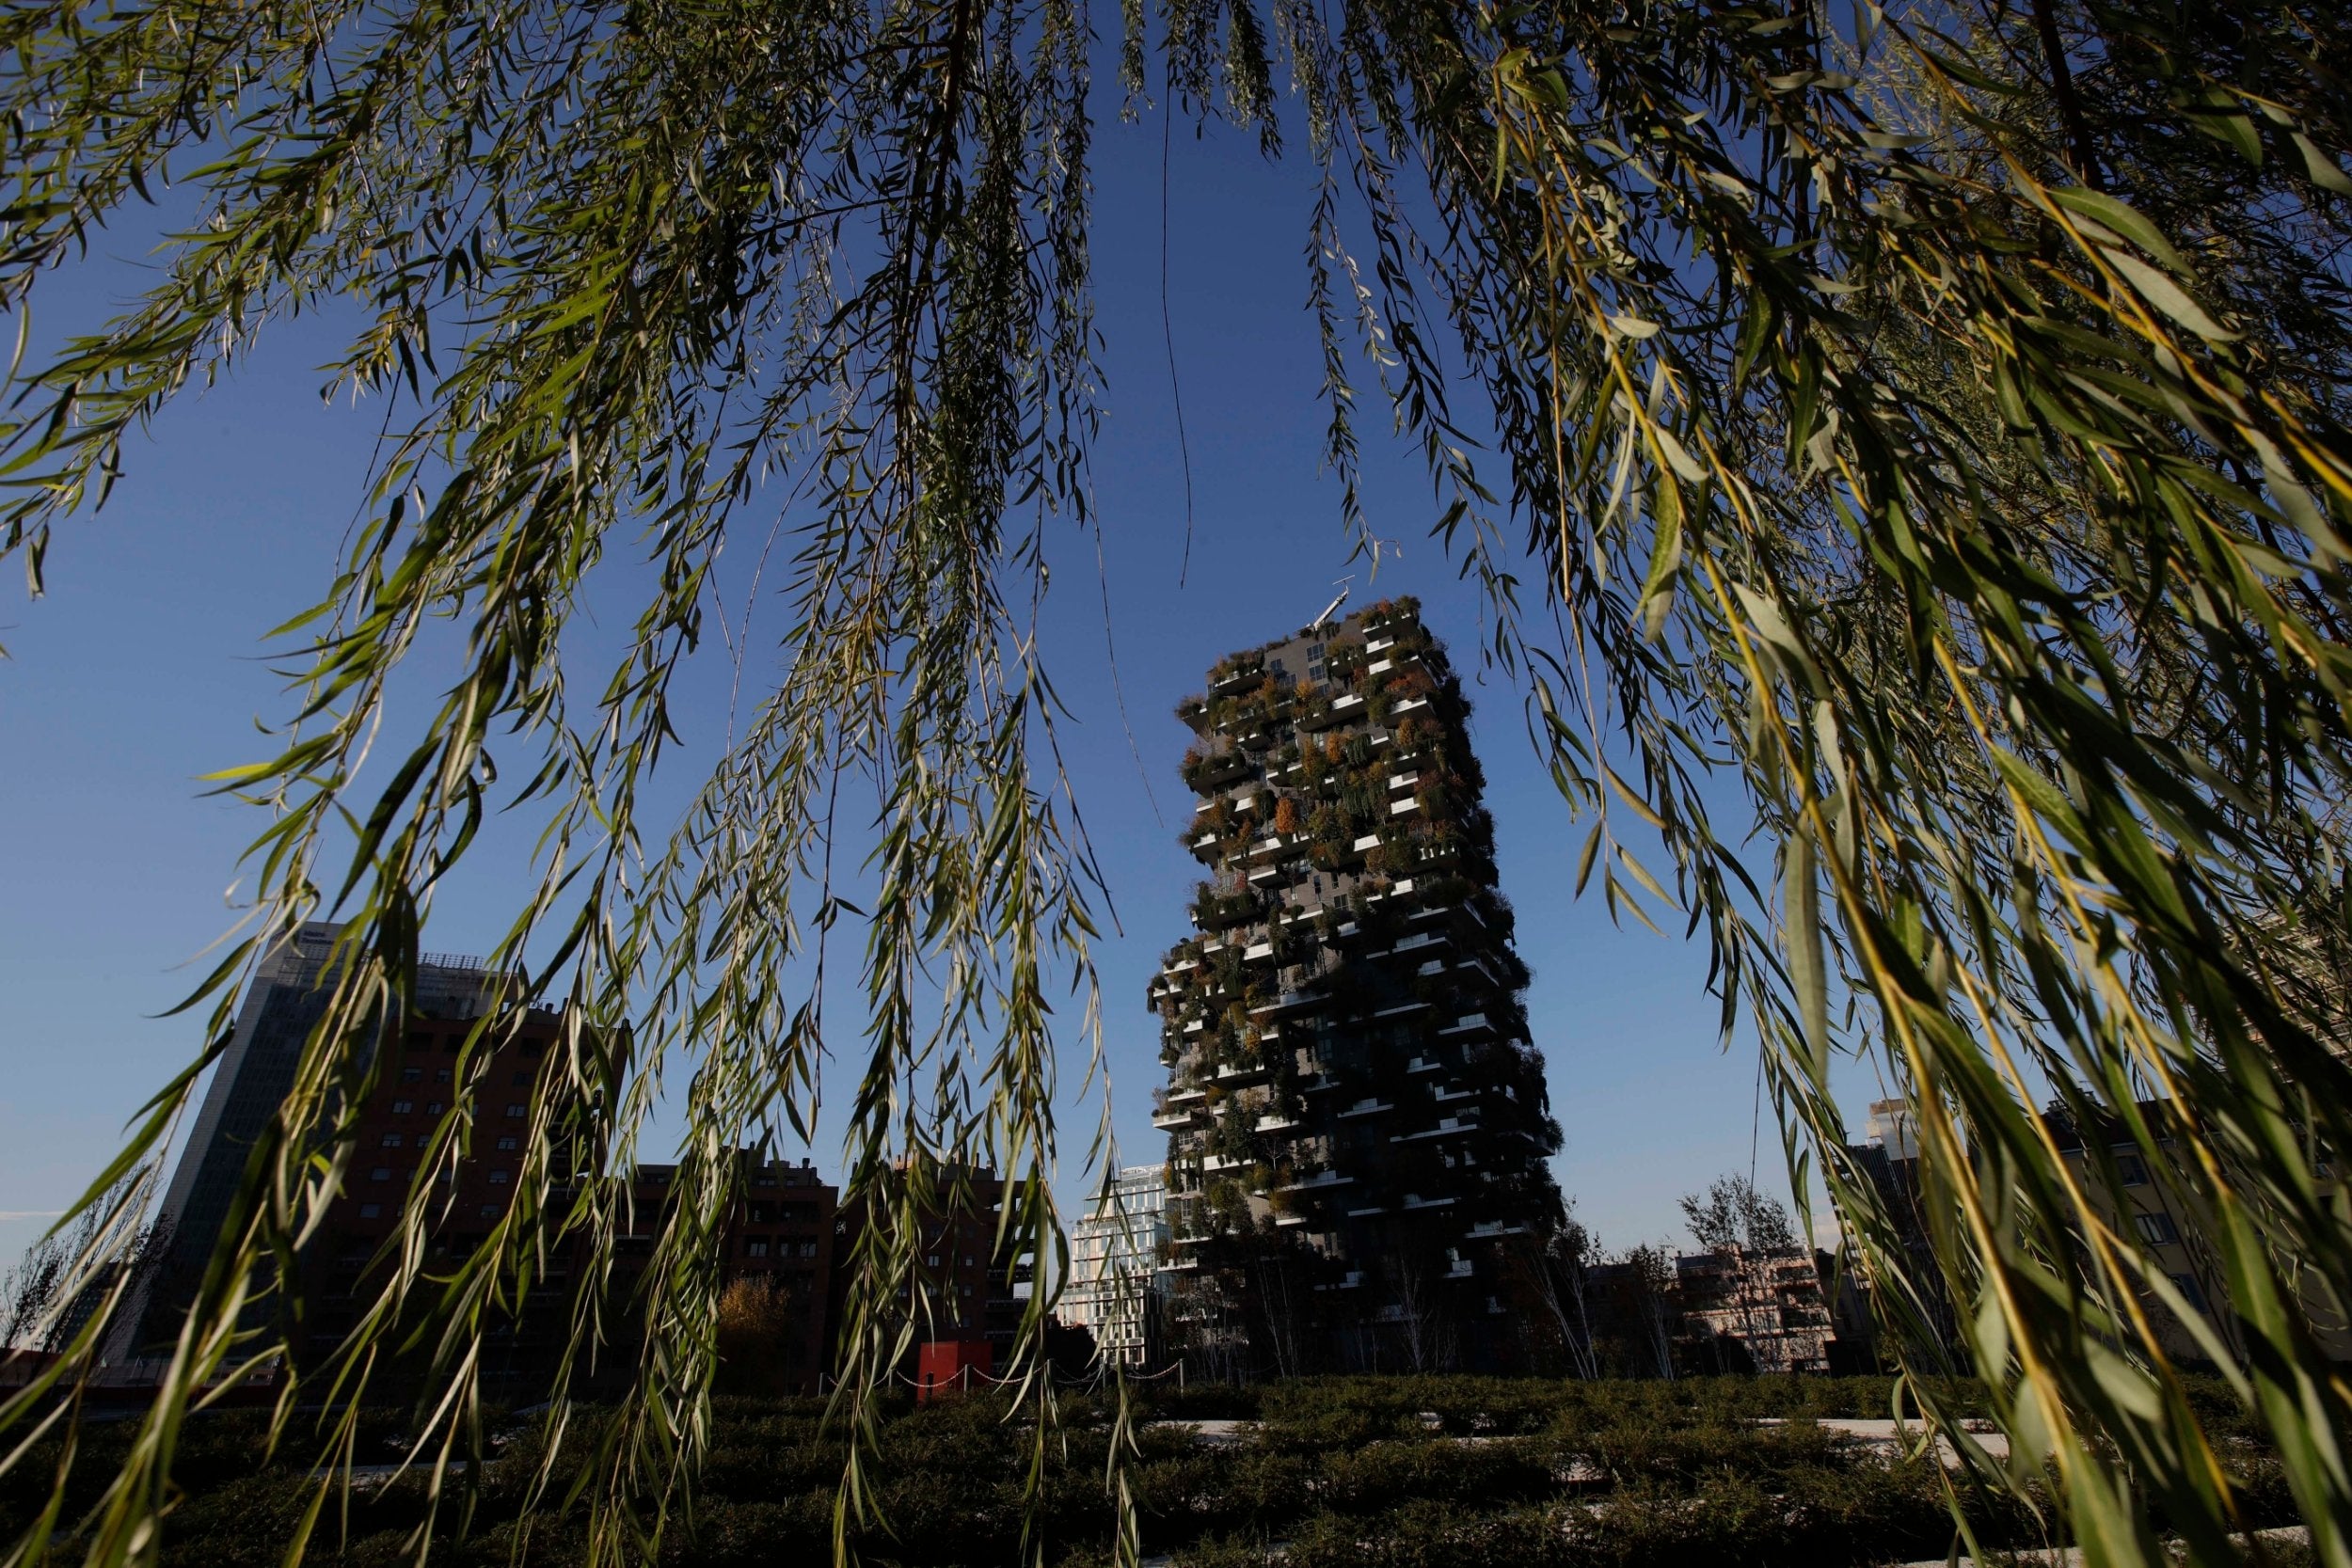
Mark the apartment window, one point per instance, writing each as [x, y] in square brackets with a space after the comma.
[510, 1141]
[497, 1179]
[441, 1075]
[522, 1080]
[2157, 1226]
[411, 1074]
[2134, 1171]
[516, 1108]
[489, 1210]
[931, 1261]
[381, 1173]
[433, 1109]
[757, 1248]
[2186, 1285]
[402, 1107]
[391, 1140]
[370, 1211]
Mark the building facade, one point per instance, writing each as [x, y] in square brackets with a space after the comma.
[1113, 1291]
[1358, 1119]
[780, 1233]
[1752, 1310]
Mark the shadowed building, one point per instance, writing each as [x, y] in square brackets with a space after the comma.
[1358, 1119]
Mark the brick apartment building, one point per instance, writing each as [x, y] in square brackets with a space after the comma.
[782, 1230]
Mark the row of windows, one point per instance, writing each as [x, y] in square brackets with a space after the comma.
[757, 1247]
[385, 1173]
[393, 1140]
[376, 1210]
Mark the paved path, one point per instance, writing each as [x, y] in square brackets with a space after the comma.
[1884, 1433]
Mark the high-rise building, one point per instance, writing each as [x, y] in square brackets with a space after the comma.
[411, 1089]
[1114, 1259]
[779, 1233]
[1359, 1125]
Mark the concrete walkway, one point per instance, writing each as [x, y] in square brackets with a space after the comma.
[1884, 1433]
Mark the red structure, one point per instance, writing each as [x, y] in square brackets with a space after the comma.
[944, 1367]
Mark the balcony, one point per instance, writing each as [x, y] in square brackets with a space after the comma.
[1466, 1023]
[1274, 1124]
[1422, 1064]
[1289, 1001]
[1170, 1120]
[1370, 841]
[1224, 1162]
[1235, 1074]
[1317, 1182]
[1367, 1107]
[1448, 1126]
[1186, 1097]
[1414, 1201]
[1485, 1229]
[1449, 1093]
[1462, 1269]
[1353, 1279]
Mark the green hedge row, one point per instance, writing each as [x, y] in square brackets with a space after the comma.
[1388, 1473]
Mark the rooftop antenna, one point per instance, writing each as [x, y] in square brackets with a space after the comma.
[1316, 624]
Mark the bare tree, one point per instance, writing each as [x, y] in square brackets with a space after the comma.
[1560, 1270]
[1649, 1280]
[67, 1276]
[1420, 1310]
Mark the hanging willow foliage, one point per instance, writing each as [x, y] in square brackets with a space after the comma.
[1934, 413]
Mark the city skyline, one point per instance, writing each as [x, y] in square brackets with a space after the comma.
[144, 668]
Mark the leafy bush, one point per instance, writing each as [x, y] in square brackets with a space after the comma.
[1399, 1472]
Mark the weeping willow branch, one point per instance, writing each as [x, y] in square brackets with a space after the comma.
[1942, 432]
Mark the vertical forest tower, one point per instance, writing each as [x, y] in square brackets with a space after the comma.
[1358, 1121]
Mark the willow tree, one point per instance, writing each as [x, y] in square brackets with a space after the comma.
[1932, 413]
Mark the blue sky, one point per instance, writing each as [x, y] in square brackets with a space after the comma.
[144, 668]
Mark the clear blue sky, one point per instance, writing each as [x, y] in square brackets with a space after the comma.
[143, 669]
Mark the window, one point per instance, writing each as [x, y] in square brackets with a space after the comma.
[391, 1140]
[411, 1074]
[931, 1261]
[370, 1211]
[2186, 1285]
[510, 1141]
[489, 1210]
[808, 1249]
[2157, 1226]
[381, 1173]
[515, 1110]
[497, 1179]
[433, 1109]
[521, 1080]
[2133, 1172]
[757, 1248]
[441, 1075]
[402, 1107]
